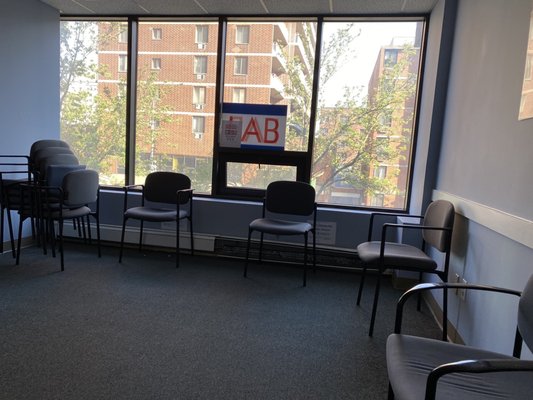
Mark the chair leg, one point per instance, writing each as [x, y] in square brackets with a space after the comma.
[98, 235]
[305, 260]
[141, 236]
[122, 239]
[261, 248]
[19, 241]
[391, 393]
[247, 252]
[445, 315]
[361, 284]
[61, 248]
[11, 236]
[375, 305]
[192, 236]
[177, 242]
[314, 251]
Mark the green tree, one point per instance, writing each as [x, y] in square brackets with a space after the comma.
[345, 145]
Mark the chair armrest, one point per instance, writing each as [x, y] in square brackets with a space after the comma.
[184, 195]
[443, 286]
[406, 226]
[372, 215]
[126, 189]
[475, 367]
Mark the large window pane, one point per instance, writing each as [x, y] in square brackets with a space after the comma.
[93, 95]
[258, 176]
[179, 95]
[272, 63]
[366, 108]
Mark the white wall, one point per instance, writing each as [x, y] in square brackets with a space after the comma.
[486, 164]
[29, 75]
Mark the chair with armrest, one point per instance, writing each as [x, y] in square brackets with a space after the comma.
[286, 198]
[436, 227]
[79, 189]
[421, 368]
[163, 188]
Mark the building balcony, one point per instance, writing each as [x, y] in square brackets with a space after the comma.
[281, 33]
[279, 64]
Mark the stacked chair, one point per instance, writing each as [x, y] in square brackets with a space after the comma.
[48, 187]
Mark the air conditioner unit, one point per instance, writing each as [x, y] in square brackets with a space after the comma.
[198, 135]
[200, 77]
[202, 46]
[199, 106]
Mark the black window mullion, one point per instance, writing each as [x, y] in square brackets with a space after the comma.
[219, 99]
[131, 100]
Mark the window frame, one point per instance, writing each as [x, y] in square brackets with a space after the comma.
[300, 159]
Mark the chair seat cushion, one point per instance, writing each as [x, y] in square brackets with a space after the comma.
[280, 227]
[410, 359]
[71, 213]
[154, 214]
[396, 255]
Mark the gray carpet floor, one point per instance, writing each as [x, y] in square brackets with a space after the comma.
[146, 330]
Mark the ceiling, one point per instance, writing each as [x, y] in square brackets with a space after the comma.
[239, 7]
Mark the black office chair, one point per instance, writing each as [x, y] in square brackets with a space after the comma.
[436, 227]
[70, 201]
[168, 188]
[286, 198]
[421, 368]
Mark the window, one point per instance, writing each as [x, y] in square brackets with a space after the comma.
[122, 63]
[242, 34]
[380, 172]
[156, 63]
[390, 57]
[239, 95]
[361, 139]
[241, 66]
[157, 33]
[202, 34]
[200, 65]
[154, 124]
[123, 33]
[198, 95]
[198, 126]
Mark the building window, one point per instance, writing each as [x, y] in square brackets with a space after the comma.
[202, 34]
[380, 172]
[157, 33]
[390, 57]
[239, 95]
[242, 34]
[154, 124]
[241, 66]
[198, 127]
[377, 200]
[198, 95]
[122, 63]
[200, 65]
[123, 33]
[156, 63]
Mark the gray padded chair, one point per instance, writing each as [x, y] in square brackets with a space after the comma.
[70, 201]
[422, 368]
[164, 188]
[436, 227]
[286, 198]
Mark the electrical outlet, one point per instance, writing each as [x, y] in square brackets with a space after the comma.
[462, 292]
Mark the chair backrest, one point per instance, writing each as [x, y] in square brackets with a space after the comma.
[44, 143]
[290, 197]
[525, 313]
[439, 213]
[80, 187]
[57, 159]
[56, 173]
[161, 186]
